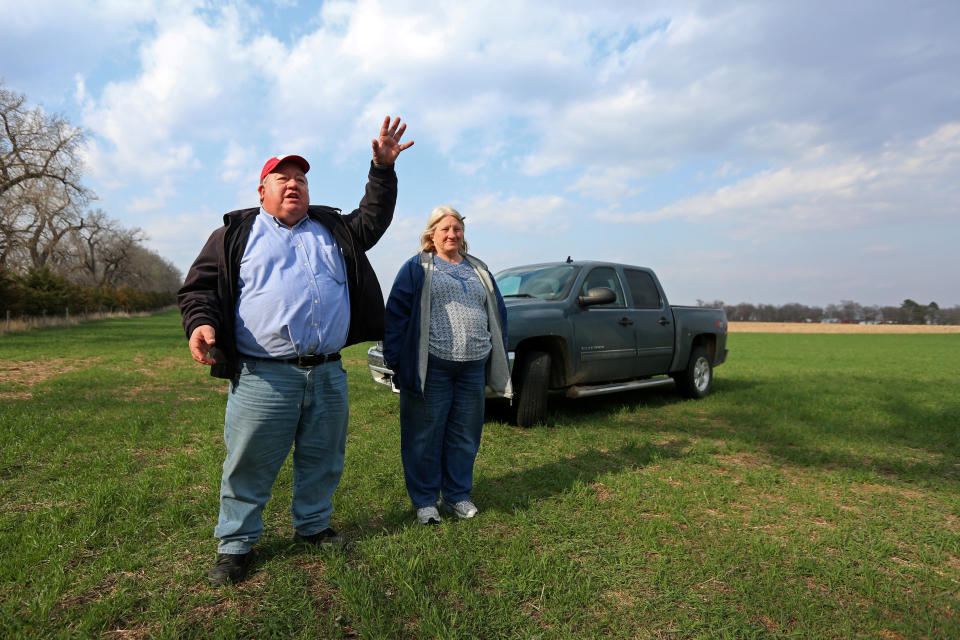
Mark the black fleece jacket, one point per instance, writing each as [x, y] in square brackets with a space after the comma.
[208, 294]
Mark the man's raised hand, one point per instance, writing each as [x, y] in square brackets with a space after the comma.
[387, 147]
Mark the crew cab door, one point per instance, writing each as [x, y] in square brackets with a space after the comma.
[653, 324]
[604, 334]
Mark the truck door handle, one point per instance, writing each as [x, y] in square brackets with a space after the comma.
[663, 322]
[626, 322]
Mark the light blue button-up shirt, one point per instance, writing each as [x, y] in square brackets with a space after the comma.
[291, 291]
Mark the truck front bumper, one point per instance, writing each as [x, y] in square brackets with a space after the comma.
[382, 374]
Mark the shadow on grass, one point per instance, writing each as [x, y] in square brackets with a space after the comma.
[563, 410]
[796, 430]
[522, 488]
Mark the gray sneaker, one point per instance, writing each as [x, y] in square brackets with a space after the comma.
[428, 515]
[464, 509]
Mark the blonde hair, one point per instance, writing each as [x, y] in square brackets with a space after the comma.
[438, 214]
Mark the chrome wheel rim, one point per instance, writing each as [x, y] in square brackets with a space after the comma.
[701, 374]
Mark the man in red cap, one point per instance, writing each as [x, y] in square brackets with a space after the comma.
[274, 295]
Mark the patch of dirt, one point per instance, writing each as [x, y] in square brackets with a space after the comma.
[817, 327]
[29, 373]
[603, 492]
[746, 460]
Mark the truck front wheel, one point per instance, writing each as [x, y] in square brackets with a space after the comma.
[696, 380]
[531, 388]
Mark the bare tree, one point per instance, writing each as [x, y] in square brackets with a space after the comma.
[743, 312]
[46, 219]
[40, 189]
[872, 314]
[148, 271]
[892, 314]
[850, 311]
[949, 315]
[37, 146]
[102, 250]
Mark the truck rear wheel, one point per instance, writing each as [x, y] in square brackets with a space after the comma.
[697, 379]
[531, 388]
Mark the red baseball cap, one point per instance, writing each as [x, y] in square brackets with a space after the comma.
[273, 162]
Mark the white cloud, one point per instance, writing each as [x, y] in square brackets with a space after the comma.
[238, 164]
[151, 126]
[179, 237]
[535, 215]
[607, 185]
[849, 193]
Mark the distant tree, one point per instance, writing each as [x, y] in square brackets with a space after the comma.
[102, 249]
[950, 315]
[872, 314]
[45, 220]
[52, 254]
[892, 314]
[850, 311]
[146, 270]
[8, 285]
[794, 312]
[46, 292]
[913, 312]
[769, 312]
[35, 146]
[40, 188]
[746, 312]
[910, 312]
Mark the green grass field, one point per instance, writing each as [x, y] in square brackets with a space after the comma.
[815, 494]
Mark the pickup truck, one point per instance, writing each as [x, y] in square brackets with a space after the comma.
[585, 328]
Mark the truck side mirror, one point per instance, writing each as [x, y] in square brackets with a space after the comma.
[597, 295]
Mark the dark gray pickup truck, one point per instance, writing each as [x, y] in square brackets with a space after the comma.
[586, 328]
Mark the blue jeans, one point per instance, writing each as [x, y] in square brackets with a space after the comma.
[440, 432]
[271, 407]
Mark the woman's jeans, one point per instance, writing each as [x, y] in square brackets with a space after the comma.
[273, 406]
[440, 432]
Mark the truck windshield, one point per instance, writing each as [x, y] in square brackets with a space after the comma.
[545, 282]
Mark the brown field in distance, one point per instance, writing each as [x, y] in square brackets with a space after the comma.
[817, 327]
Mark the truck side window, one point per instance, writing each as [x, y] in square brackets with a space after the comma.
[604, 277]
[643, 289]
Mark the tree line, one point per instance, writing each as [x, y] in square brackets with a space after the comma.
[56, 253]
[909, 312]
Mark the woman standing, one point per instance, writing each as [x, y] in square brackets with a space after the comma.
[445, 340]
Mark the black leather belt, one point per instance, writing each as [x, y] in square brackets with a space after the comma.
[305, 362]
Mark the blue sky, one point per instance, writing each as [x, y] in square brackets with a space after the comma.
[764, 152]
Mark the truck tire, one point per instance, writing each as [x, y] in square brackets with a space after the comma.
[531, 388]
[697, 379]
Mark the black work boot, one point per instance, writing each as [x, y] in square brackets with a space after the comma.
[326, 539]
[230, 568]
